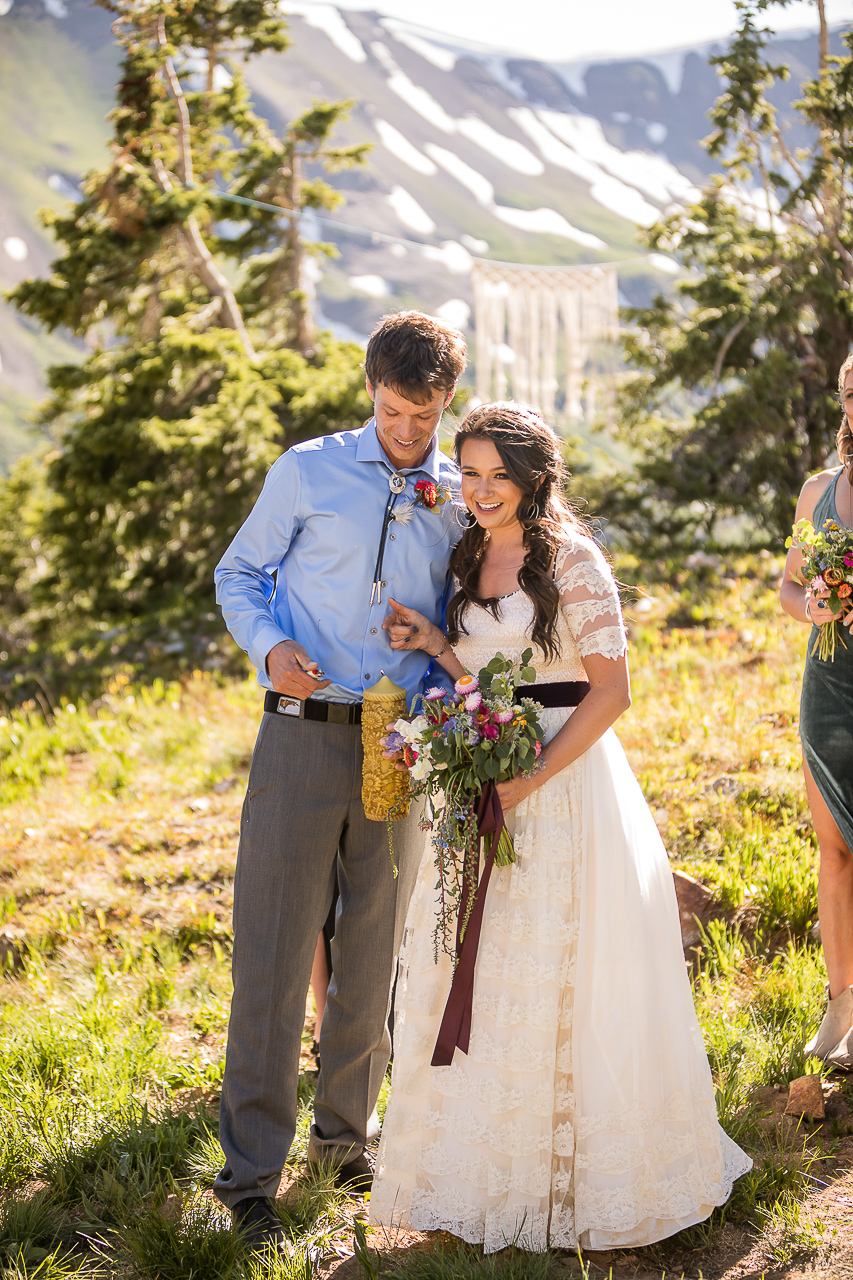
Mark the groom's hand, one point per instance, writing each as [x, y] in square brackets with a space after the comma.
[288, 665]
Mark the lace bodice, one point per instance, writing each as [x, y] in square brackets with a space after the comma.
[589, 622]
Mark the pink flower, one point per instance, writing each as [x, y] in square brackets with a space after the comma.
[818, 584]
[537, 750]
[491, 731]
[467, 684]
[428, 493]
[432, 695]
[848, 559]
[502, 715]
[473, 701]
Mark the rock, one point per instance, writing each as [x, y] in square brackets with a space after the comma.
[696, 906]
[12, 948]
[805, 1098]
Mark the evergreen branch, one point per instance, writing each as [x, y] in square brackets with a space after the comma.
[200, 257]
[724, 349]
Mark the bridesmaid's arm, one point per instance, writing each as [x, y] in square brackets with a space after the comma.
[795, 600]
[609, 695]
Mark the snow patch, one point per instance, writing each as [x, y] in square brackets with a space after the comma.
[373, 286]
[475, 245]
[513, 154]
[619, 198]
[410, 212]
[662, 263]
[412, 94]
[399, 146]
[651, 174]
[455, 312]
[444, 59]
[454, 256]
[16, 248]
[547, 222]
[63, 187]
[325, 17]
[610, 192]
[479, 186]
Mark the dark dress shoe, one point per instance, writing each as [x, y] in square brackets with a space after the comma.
[258, 1223]
[356, 1176]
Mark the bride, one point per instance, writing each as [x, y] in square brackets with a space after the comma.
[583, 1111]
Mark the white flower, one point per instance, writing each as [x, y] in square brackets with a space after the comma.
[421, 767]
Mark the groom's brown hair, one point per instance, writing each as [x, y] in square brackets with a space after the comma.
[415, 355]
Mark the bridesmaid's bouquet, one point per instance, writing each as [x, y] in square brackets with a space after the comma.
[460, 745]
[827, 566]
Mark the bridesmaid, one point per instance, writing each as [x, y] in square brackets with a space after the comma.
[826, 731]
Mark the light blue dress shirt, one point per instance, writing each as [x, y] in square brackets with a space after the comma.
[301, 568]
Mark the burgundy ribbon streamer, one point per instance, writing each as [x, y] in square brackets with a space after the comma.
[455, 1029]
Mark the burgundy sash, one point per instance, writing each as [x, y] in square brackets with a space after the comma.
[455, 1029]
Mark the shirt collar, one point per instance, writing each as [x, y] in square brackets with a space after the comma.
[369, 449]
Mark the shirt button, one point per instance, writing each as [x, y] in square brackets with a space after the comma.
[367, 675]
[393, 537]
[373, 631]
[385, 584]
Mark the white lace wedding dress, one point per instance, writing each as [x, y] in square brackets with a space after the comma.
[584, 1110]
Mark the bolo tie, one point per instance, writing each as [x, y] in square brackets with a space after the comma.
[396, 483]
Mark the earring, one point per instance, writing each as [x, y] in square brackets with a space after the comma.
[531, 512]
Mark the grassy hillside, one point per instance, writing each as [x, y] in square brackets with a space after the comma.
[118, 827]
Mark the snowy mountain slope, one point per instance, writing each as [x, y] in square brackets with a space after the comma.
[475, 153]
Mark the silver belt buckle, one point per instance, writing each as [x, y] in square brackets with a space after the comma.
[290, 707]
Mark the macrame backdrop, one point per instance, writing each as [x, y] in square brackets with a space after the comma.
[526, 318]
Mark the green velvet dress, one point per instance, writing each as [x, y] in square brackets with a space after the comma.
[826, 708]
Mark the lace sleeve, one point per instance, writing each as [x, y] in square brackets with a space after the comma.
[589, 599]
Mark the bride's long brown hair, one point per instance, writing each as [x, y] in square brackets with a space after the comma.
[529, 451]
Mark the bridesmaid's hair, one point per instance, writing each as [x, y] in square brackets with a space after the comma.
[529, 451]
[844, 439]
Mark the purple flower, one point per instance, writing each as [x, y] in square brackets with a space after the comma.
[449, 726]
[395, 741]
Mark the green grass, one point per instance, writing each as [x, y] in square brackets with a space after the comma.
[119, 823]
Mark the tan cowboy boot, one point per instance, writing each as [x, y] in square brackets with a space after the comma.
[834, 1040]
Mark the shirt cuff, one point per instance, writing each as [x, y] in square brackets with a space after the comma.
[263, 644]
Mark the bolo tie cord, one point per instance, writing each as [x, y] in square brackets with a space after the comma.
[376, 590]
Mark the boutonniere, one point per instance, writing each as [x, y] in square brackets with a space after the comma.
[429, 495]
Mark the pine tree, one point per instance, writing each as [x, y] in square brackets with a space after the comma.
[202, 364]
[730, 403]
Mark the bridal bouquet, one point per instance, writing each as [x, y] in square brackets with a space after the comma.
[456, 749]
[827, 566]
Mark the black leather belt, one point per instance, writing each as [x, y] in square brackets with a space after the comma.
[560, 693]
[313, 709]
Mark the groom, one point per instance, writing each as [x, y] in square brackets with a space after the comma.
[304, 589]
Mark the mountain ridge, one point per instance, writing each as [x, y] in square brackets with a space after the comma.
[474, 154]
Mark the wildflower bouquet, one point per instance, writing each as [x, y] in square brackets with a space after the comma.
[458, 747]
[827, 566]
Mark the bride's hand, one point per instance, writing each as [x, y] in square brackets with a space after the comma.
[513, 792]
[408, 629]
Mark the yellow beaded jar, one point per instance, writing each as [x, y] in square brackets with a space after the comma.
[382, 784]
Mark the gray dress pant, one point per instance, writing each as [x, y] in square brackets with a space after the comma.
[303, 819]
